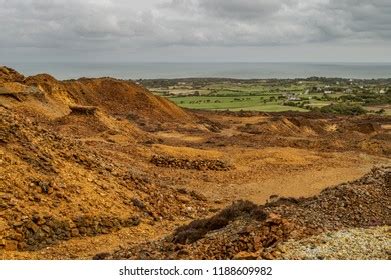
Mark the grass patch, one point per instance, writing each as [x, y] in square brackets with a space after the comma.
[265, 103]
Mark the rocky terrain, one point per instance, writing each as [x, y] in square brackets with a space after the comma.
[172, 162]
[277, 229]
[101, 168]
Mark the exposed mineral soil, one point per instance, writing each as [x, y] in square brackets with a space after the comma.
[101, 168]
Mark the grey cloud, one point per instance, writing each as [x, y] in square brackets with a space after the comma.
[243, 10]
[68, 23]
[119, 24]
[266, 22]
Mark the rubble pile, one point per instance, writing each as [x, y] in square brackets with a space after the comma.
[55, 188]
[198, 164]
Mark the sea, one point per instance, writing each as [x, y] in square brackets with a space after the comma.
[149, 70]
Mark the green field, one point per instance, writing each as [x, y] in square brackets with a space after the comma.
[247, 103]
[274, 95]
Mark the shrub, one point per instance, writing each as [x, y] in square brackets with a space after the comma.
[344, 109]
[199, 228]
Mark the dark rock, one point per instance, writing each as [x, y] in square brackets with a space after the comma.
[101, 256]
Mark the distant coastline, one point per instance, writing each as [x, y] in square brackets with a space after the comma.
[207, 70]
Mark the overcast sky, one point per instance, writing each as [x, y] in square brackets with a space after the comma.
[195, 30]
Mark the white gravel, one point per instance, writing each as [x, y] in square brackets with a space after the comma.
[350, 244]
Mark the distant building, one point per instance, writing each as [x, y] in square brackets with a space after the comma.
[294, 98]
[348, 90]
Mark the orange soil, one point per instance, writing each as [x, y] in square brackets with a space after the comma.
[98, 163]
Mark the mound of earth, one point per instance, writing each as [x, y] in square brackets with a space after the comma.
[10, 75]
[124, 98]
[247, 231]
[118, 98]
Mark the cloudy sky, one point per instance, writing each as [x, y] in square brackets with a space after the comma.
[195, 30]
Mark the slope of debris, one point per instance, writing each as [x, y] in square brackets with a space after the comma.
[247, 231]
[55, 188]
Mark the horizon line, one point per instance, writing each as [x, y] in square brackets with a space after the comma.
[199, 62]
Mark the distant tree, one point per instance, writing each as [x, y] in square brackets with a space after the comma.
[343, 109]
[381, 112]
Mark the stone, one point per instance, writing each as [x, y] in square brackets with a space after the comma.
[268, 256]
[3, 205]
[38, 219]
[82, 230]
[75, 232]
[183, 198]
[101, 256]
[17, 224]
[32, 226]
[246, 256]
[16, 236]
[183, 253]
[46, 229]
[11, 245]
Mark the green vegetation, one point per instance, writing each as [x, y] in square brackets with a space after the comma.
[336, 96]
[343, 109]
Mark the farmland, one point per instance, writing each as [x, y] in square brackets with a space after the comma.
[301, 95]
